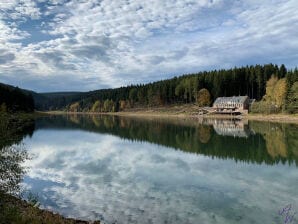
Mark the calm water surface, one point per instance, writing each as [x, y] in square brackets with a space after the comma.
[125, 170]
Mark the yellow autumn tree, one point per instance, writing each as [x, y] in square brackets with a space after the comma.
[97, 106]
[270, 86]
[276, 91]
[280, 92]
[75, 107]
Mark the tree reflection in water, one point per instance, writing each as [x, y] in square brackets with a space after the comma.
[12, 152]
[11, 169]
[247, 141]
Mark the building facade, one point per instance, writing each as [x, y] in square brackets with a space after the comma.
[232, 105]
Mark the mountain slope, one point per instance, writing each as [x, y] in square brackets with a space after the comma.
[14, 99]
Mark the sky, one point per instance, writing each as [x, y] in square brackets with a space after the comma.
[81, 45]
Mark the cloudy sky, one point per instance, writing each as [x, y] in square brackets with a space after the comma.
[53, 45]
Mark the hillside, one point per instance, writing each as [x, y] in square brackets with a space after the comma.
[185, 89]
[200, 88]
[55, 100]
[14, 99]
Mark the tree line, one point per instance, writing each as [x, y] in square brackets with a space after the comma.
[201, 88]
[13, 99]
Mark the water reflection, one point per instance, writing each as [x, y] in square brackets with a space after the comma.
[11, 170]
[235, 128]
[106, 168]
[89, 175]
[12, 152]
[256, 142]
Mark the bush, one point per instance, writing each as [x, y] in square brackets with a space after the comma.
[264, 107]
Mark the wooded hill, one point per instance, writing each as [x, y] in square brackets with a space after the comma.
[273, 86]
[14, 99]
[249, 80]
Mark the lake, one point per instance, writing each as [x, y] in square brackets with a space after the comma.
[150, 170]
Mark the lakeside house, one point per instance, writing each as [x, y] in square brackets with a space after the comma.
[232, 105]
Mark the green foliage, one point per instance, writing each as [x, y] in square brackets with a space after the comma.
[292, 87]
[292, 105]
[9, 214]
[282, 71]
[13, 99]
[186, 89]
[13, 127]
[133, 94]
[264, 107]
[141, 96]
[248, 80]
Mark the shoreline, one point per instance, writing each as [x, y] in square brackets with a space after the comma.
[277, 118]
[280, 118]
[17, 210]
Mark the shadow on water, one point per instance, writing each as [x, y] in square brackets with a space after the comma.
[253, 142]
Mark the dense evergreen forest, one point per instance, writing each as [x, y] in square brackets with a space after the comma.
[13, 99]
[274, 88]
[191, 88]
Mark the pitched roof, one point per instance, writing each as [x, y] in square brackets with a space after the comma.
[233, 99]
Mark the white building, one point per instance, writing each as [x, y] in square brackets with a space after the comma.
[234, 104]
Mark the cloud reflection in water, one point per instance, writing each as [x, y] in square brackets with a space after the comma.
[94, 176]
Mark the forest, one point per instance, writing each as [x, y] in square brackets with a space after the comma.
[275, 89]
[13, 99]
[201, 88]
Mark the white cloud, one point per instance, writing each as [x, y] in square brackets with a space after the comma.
[10, 33]
[19, 9]
[120, 42]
